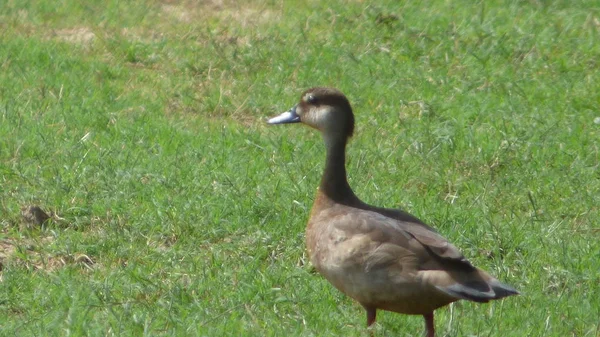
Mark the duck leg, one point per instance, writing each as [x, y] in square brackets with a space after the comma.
[429, 326]
[371, 316]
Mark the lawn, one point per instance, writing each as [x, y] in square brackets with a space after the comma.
[139, 126]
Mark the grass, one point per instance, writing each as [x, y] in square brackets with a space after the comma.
[140, 124]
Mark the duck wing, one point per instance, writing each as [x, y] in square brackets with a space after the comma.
[413, 253]
[432, 249]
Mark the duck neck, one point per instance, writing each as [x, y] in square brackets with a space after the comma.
[334, 183]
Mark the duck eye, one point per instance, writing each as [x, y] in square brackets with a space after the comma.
[311, 99]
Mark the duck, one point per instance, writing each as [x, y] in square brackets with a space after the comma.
[385, 259]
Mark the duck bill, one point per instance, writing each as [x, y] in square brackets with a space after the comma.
[289, 116]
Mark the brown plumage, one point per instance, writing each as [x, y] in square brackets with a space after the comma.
[383, 258]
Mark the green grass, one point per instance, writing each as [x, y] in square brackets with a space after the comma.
[141, 125]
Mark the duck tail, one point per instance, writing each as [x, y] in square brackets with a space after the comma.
[479, 287]
[502, 289]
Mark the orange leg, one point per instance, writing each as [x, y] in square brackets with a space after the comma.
[429, 326]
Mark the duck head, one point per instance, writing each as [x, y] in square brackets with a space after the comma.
[325, 109]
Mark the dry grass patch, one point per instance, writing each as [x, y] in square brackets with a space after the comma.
[32, 255]
[31, 249]
[80, 35]
[246, 14]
